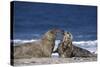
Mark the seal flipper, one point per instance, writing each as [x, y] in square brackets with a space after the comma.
[56, 51]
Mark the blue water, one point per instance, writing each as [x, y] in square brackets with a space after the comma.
[32, 20]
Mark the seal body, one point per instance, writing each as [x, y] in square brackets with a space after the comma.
[41, 48]
[67, 50]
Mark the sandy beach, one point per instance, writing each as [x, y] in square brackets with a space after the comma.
[42, 61]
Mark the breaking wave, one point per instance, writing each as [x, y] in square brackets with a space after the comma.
[90, 45]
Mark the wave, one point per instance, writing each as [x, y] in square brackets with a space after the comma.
[57, 41]
[86, 42]
[23, 41]
[90, 45]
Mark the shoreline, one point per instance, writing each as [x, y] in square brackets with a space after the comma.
[43, 61]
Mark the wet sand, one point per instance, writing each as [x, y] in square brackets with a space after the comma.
[42, 61]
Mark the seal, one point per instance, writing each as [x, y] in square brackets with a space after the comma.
[67, 50]
[41, 48]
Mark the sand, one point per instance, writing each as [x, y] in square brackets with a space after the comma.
[42, 61]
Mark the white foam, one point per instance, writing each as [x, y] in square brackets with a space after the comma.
[58, 41]
[85, 42]
[23, 41]
[55, 55]
[89, 45]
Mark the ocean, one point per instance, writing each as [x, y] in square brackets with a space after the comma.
[33, 19]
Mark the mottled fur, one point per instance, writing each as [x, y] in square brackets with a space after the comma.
[41, 48]
[68, 50]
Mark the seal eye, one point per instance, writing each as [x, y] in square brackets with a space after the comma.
[67, 32]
